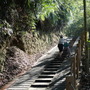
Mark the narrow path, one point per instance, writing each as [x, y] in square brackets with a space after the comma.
[48, 73]
[53, 72]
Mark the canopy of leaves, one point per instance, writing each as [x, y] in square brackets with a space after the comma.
[38, 13]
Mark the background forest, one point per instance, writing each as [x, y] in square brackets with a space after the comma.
[34, 26]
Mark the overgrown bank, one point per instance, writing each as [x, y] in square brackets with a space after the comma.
[23, 37]
[22, 51]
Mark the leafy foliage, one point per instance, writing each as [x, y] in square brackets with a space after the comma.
[43, 14]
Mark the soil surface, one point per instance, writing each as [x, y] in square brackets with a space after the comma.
[17, 63]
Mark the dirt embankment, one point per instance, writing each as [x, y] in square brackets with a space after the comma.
[17, 63]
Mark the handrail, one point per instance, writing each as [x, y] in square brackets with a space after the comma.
[79, 45]
[75, 63]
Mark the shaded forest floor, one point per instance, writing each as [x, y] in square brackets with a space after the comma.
[17, 63]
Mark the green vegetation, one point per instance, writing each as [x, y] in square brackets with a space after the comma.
[76, 22]
[40, 20]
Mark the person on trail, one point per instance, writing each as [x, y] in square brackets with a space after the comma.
[66, 47]
[60, 45]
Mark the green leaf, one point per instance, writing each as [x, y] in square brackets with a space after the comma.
[1, 25]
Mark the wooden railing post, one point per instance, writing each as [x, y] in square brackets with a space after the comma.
[72, 81]
[70, 84]
[74, 69]
[82, 42]
[88, 57]
[72, 65]
[78, 58]
[77, 64]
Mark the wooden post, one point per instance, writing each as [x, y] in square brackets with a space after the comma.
[70, 84]
[78, 58]
[77, 63]
[82, 42]
[77, 71]
[85, 26]
[72, 65]
[74, 69]
[88, 59]
[79, 52]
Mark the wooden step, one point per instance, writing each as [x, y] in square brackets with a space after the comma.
[40, 84]
[46, 76]
[50, 72]
[51, 69]
[41, 80]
